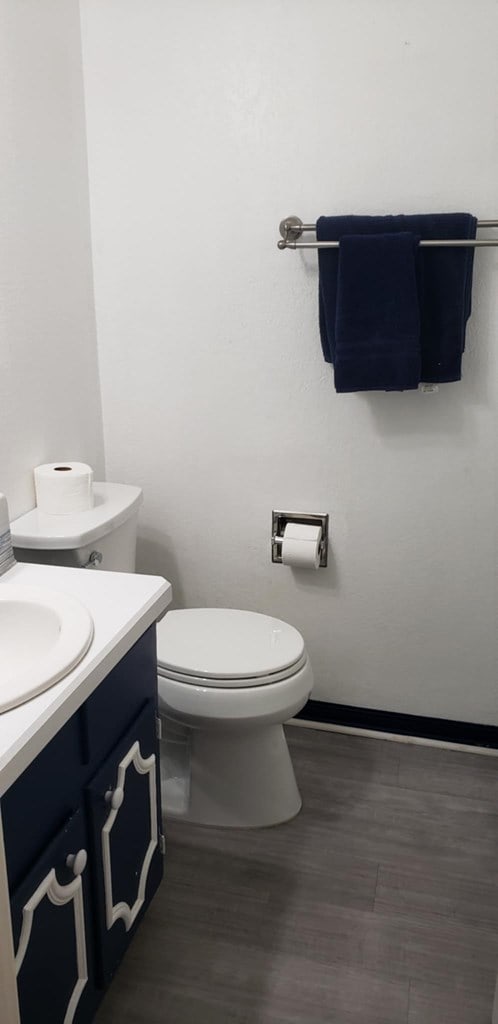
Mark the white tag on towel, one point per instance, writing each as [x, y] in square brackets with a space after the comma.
[428, 389]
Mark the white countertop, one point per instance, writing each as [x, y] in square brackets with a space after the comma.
[123, 606]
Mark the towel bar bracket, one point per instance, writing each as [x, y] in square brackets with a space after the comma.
[291, 229]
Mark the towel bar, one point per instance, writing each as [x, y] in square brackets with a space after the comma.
[292, 228]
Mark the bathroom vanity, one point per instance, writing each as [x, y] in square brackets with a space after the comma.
[80, 830]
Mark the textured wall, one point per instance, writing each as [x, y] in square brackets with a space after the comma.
[49, 387]
[207, 123]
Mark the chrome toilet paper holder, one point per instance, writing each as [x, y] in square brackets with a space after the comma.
[279, 521]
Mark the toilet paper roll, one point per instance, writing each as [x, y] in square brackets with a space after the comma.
[63, 488]
[301, 545]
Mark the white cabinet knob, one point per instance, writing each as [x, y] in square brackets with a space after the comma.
[77, 862]
[115, 797]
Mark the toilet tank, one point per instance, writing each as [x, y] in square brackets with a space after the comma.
[103, 537]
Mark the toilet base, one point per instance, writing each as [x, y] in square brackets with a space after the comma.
[241, 778]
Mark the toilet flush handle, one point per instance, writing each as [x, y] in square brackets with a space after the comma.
[93, 560]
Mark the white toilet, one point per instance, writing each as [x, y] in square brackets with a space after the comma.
[228, 679]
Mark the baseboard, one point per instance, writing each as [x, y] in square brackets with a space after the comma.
[445, 730]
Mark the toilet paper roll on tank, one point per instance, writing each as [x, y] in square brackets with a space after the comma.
[301, 545]
[63, 488]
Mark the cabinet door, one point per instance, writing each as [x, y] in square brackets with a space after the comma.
[125, 825]
[51, 937]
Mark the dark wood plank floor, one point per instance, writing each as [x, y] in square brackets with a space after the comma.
[377, 904]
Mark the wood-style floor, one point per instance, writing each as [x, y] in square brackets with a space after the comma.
[377, 904]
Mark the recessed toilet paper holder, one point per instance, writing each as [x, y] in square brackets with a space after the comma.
[279, 521]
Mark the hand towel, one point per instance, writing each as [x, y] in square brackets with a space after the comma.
[444, 284]
[377, 326]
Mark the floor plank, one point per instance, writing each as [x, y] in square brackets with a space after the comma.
[435, 1004]
[377, 904]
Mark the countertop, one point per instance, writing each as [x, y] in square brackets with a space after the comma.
[123, 606]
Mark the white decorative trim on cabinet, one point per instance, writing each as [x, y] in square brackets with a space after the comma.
[59, 895]
[144, 766]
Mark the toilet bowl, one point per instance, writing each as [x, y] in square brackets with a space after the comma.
[228, 680]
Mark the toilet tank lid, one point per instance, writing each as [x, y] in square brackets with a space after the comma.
[114, 504]
[225, 643]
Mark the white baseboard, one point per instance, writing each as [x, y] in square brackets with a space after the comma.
[392, 737]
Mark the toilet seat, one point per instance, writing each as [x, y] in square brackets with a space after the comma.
[226, 647]
[232, 683]
[242, 706]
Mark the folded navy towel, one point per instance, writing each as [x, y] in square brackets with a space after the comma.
[377, 326]
[444, 283]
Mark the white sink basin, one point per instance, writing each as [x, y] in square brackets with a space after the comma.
[43, 635]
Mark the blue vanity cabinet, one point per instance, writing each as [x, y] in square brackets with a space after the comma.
[83, 843]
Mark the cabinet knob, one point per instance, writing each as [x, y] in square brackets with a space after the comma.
[77, 862]
[115, 797]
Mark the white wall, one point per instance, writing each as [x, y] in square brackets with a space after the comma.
[49, 387]
[208, 123]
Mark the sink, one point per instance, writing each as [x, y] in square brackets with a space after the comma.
[43, 635]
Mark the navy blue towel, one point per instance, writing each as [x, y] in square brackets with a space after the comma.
[444, 284]
[377, 326]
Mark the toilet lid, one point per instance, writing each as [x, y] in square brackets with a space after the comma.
[225, 643]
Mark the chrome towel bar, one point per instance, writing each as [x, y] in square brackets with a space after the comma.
[292, 228]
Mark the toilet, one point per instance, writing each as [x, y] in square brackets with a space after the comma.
[228, 679]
